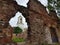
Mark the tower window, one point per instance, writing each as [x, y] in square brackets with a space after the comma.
[53, 34]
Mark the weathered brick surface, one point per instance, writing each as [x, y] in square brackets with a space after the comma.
[37, 18]
[7, 10]
[40, 23]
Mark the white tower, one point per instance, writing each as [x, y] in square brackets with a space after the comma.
[19, 20]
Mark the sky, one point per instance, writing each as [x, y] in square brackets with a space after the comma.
[13, 20]
[24, 2]
[44, 2]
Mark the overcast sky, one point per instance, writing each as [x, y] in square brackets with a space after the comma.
[44, 2]
[13, 21]
[24, 2]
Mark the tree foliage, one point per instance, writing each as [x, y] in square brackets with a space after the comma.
[17, 30]
[53, 4]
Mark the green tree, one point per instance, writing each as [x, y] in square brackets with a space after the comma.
[17, 30]
[54, 4]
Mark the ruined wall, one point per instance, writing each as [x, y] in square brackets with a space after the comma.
[40, 23]
[8, 9]
[48, 35]
[37, 28]
[39, 31]
[36, 23]
[37, 18]
[58, 32]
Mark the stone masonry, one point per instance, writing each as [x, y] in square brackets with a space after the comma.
[38, 19]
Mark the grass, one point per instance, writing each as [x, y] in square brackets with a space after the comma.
[18, 39]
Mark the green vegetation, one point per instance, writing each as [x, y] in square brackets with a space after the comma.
[53, 4]
[17, 30]
[18, 39]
